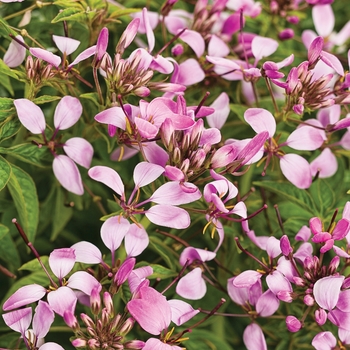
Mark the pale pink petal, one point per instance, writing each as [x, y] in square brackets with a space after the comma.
[42, 319]
[194, 40]
[181, 311]
[173, 192]
[46, 56]
[102, 43]
[83, 281]
[246, 279]
[168, 216]
[192, 286]
[333, 62]
[67, 113]
[145, 173]
[114, 116]
[306, 138]
[323, 18]
[148, 28]
[343, 35]
[109, 177]
[273, 247]
[23, 296]
[156, 344]
[217, 47]
[87, 253]
[51, 346]
[253, 338]
[162, 65]
[136, 240]
[327, 290]
[324, 341]
[260, 120]
[61, 300]
[188, 73]
[263, 47]
[65, 45]
[277, 282]
[137, 276]
[79, 150]
[61, 261]
[113, 231]
[325, 164]
[84, 55]
[19, 320]
[15, 53]
[30, 115]
[137, 25]
[222, 110]
[267, 304]
[155, 154]
[297, 170]
[67, 173]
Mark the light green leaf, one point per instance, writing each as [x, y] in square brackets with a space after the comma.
[323, 196]
[45, 99]
[291, 193]
[68, 14]
[24, 195]
[8, 250]
[161, 272]
[6, 104]
[5, 172]
[5, 29]
[5, 69]
[9, 127]
[202, 339]
[29, 153]
[123, 12]
[34, 265]
[238, 110]
[6, 83]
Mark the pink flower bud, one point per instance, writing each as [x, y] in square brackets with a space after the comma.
[293, 324]
[285, 246]
[320, 317]
[309, 300]
[95, 300]
[293, 19]
[124, 271]
[286, 34]
[79, 343]
[177, 50]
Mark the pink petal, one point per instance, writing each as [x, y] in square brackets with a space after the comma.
[260, 120]
[61, 261]
[307, 37]
[222, 110]
[15, 53]
[51, 346]
[136, 240]
[148, 28]
[30, 115]
[113, 231]
[109, 177]
[277, 282]
[61, 300]
[341, 229]
[67, 173]
[306, 138]
[324, 341]
[87, 253]
[46, 56]
[267, 304]
[343, 303]
[253, 338]
[146, 129]
[137, 276]
[67, 113]
[23, 296]
[79, 150]
[168, 216]
[217, 47]
[333, 62]
[114, 116]
[239, 295]
[323, 17]
[83, 281]
[246, 279]
[263, 47]
[66, 45]
[297, 170]
[194, 40]
[19, 320]
[84, 55]
[102, 43]
[273, 247]
[145, 173]
[192, 286]
[326, 291]
[151, 310]
[156, 344]
[173, 192]
[155, 154]
[188, 73]
[181, 311]
[42, 319]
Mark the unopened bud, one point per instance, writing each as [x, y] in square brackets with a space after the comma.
[286, 34]
[108, 303]
[320, 317]
[71, 321]
[286, 248]
[127, 326]
[293, 324]
[95, 301]
[79, 343]
[134, 344]
[177, 50]
[309, 300]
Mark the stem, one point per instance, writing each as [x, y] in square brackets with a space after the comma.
[98, 87]
[96, 199]
[177, 277]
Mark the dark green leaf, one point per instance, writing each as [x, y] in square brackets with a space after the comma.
[5, 172]
[6, 83]
[23, 192]
[8, 250]
[291, 193]
[202, 339]
[163, 250]
[238, 110]
[323, 196]
[93, 97]
[6, 106]
[5, 29]
[9, 127]
[29, 153]
[123, 12]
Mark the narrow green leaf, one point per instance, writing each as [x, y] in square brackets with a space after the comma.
[62, 214]
[6, 106]
[6, 83]
[45, 99]
[161, 272]
[163, 250]
[323, 196]
[93, 97]
[24, 195]
[5, 29]
[238, 110]
[29, 153]
[291, 193]
[8, 250]
[5, 172]
[67, 14]
[123, 12]
[5, 69]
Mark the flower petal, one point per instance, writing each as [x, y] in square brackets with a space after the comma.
[327, 290]
[45, 55]
[19, 320]
[145, 173]
[67, 113]
[62, 299]
[42, 319]
[30, 115]
[61, 261]
[168, 216]
[65, 45]
[325, 164]
[113, 231]
[109, 177]
[83, 281]
[260, 120]
[79, 150]
[181, 311]
[192, 286]
[87, 253]
[15, 53]
[253, 338]
[136, 240]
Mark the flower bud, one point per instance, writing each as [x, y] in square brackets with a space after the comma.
[134, 344]
[127, 326]
[309, 300]
[293, 324]
[95, 300]
[79, 343]
[71, 320]
[285, 246]
[177, 50]
[320, 317]
[108, 303]
[286, 34]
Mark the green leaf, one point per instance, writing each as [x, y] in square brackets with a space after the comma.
[161, 272]
[202, 339]
[9, 127]
[45, 99]
[8, 250]
[163, 250]
[24, 195]
[5, 172]
[93, 97]
[6, 83]
[68, 14]
[34, 265]
[291, 193]
[123, 12]
[5, 29]
[5, 69]
[62, 214]
[29, 153]
[238, 110]
[6, 105]
[323, 196]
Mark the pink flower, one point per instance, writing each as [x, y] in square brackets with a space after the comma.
[16, 53]
[77, 149]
